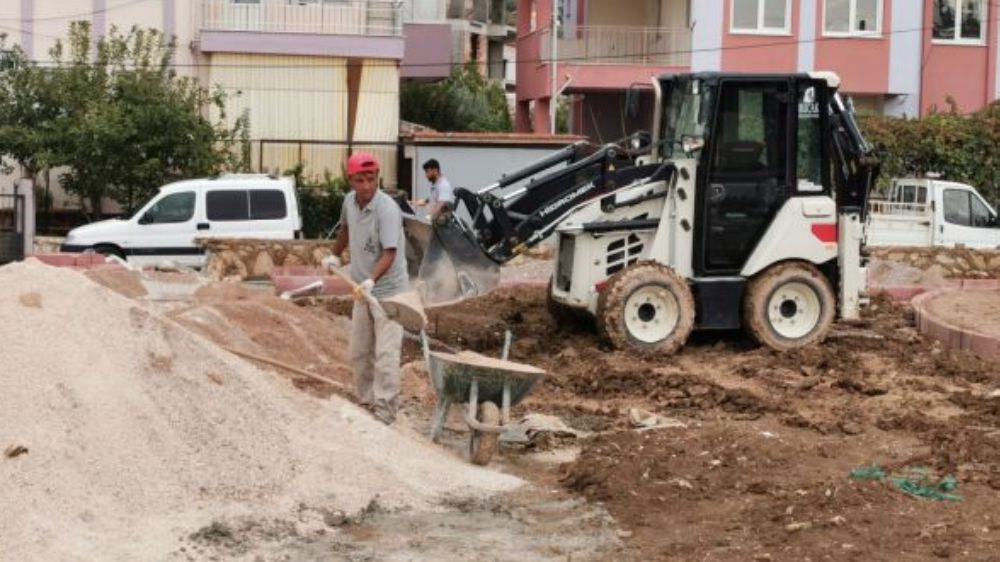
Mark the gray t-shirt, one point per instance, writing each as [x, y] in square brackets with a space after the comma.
[376, 227]
[441, 191]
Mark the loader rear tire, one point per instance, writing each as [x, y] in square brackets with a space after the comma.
[647, 308]
[789, 306]
[483, 444]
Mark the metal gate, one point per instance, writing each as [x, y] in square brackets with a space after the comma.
[11, 227]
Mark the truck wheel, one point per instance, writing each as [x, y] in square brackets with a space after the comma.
[648, 308]
[789, 306]
[482, 444]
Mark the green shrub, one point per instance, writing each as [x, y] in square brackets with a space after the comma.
[960, 147]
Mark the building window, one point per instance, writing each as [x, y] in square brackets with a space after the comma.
[960, 21]
[765, 17]
[852, 17]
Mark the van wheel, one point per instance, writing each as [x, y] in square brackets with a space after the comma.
[648, 308]
[109, 250]
[789, 306]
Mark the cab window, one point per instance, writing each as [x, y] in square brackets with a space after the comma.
[956, 207]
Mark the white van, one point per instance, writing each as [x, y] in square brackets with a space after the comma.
[229, 206]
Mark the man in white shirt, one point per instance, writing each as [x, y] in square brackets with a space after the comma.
[442, 197]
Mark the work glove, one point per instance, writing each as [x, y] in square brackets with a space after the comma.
[329, 262]
[364, 289]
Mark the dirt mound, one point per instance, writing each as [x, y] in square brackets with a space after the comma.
[254, 321]
[126, 432]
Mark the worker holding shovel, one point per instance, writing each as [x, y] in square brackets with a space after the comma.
[371, 223]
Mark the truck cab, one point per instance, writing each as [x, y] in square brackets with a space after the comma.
[932, 212]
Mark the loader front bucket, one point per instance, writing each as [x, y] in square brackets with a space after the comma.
[446, 265]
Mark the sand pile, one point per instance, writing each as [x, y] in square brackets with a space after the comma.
[139, 432]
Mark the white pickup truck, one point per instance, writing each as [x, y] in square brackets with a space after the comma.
[931, 212]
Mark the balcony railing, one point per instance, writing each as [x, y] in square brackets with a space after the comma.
[658, 46]
[357, 17]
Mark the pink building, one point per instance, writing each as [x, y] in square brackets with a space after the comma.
[896, 57]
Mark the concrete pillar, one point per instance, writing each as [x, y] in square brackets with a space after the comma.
[807, 35]
[706, 40]
[540, 118]
[26, 187]
[522, 116]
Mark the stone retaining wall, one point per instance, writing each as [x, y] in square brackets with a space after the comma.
[48, 244]
[236, 259]
[945, 262]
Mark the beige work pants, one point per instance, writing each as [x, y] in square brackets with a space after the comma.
[376, 344]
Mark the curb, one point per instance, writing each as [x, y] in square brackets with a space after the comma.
[950, 335]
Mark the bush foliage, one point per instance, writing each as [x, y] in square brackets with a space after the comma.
[960, 147]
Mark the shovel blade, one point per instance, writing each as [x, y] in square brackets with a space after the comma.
[452, 267]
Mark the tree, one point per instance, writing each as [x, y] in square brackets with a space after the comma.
[465, 101]
[115, 113]
[28, 112]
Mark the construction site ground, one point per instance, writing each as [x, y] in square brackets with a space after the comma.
[761, 468]
[754, 464]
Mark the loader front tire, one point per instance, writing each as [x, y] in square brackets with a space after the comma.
[789, 306]
[647, 308]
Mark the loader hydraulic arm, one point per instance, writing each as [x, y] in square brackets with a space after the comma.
[855, 164]
[503, 221]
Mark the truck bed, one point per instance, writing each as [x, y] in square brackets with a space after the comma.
[899, 224]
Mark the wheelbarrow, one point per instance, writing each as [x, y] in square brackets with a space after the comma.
[491, 386]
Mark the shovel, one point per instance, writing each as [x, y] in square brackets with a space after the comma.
[305, 289]
[404, 308]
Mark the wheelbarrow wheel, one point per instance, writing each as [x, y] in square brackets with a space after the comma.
[483, 444]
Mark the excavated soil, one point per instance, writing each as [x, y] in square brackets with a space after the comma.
[761, 470]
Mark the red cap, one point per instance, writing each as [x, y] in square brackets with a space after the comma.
[361, 162]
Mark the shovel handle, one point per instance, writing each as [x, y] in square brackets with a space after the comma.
[372, 302]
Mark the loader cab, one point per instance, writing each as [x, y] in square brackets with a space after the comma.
[759, 141]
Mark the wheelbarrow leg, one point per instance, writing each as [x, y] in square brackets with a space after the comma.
[473, 397]
[505, 405]
[440, 416]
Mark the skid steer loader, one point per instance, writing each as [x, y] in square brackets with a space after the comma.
[742, 207]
